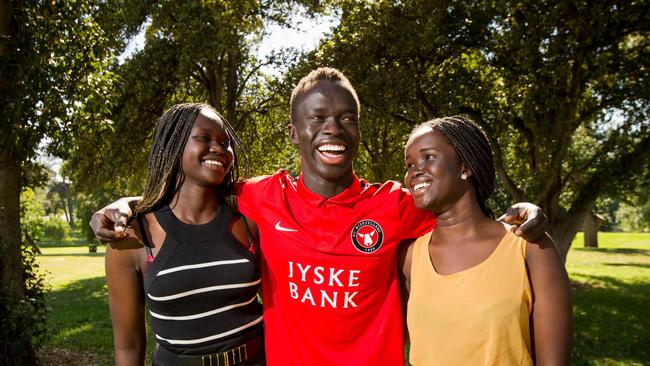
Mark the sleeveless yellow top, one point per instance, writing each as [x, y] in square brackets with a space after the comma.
[478, 316]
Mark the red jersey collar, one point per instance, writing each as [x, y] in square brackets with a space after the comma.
[348, 196]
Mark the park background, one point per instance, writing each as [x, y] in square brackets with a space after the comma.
[560, 87]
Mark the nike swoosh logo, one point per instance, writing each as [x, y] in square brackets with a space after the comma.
[280, 228]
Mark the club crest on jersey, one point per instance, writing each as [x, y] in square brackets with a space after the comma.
[367, 236]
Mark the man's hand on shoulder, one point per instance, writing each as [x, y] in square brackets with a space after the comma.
[527, 220]
[109, 223]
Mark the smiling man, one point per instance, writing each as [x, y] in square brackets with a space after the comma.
[328, 240]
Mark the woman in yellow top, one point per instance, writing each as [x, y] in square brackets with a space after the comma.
[477, 294]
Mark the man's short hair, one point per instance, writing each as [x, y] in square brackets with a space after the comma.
[320, 74]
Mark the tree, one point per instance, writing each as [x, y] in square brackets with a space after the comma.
[53, 58]
[560, 88]
[587, 70]
[634, 217]
[60, 198]
[633, 211]
[200, 51]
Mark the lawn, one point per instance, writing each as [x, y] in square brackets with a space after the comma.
[79, 320]
[79, 324]
[611, 293]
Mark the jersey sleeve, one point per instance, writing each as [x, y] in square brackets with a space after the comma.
[248, 193]
[414, 222]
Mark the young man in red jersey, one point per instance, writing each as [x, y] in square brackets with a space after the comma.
[328, 239]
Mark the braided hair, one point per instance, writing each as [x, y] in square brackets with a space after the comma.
[320, 74]
[164, 171]
[473, 149]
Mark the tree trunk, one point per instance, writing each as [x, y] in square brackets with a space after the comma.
[12, 280]
[14, 351]
[68, 201]
[590, 227]
[6, 32]
[564, 237]
[565, 229]
[65, 209]
[9, 174]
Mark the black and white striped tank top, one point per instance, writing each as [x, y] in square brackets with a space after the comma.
[201, 289]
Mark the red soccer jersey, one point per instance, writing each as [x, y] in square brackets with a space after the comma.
[329, 269]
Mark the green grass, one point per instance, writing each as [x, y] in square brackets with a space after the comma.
[79, 320]
[72, 240]
[64, 265]
[611, 297]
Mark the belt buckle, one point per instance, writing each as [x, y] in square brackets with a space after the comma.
[209, 359]
[226, 357]
[203, 363]
[245, 352]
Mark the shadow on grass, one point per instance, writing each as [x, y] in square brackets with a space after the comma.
[640, 265]
[80, 318]
[615, 250]
[611, 321]
[72, 255]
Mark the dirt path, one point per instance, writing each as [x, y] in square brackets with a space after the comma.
[61, 356]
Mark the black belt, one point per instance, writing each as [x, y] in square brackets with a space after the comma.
[234, 356]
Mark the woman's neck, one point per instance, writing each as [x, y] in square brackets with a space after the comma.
[462, 219]
[194, 204]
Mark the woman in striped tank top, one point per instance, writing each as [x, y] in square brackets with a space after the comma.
[477, 294]
[188, 255]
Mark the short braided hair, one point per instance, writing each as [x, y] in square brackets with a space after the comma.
[164, 171]
[320, 74]
[473, 149]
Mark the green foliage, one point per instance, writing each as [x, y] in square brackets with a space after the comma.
[40, 217]
[210, 58]
[634, 211]
[58, 99]
[32, 214]
[500, 199]
[55, 230]
[607, 208]
[633, 217]
[34, 174]
[54, 81]
[24, 320]
[556, 85]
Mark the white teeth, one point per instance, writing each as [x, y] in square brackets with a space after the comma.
[329, 147]
[421, 185]
[213, 162]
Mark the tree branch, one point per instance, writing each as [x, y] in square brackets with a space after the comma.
[397, 116]
[518, 194]
[422, 97]
[242, 85]
[519, 124]
[200, 77]
[615, 171]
